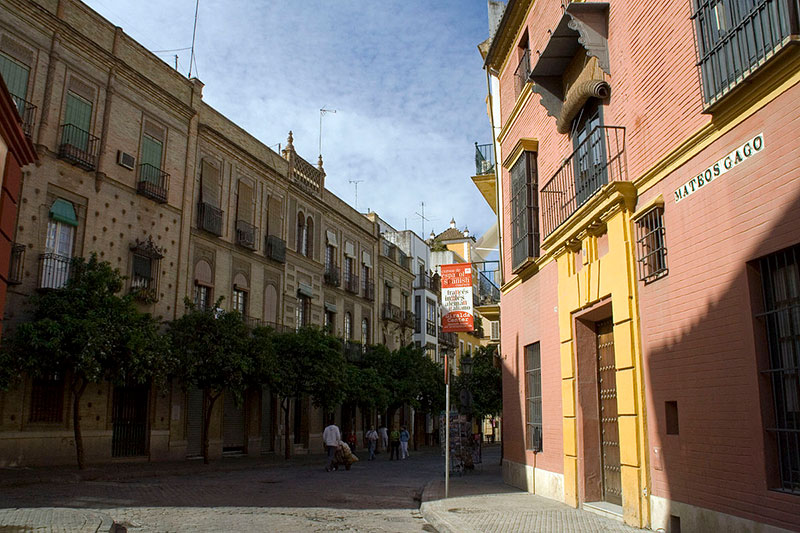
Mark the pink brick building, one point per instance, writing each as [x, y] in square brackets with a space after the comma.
[649, 199]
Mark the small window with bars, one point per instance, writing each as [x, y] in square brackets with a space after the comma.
[651, 245]
[524, 210]
[533, 398]
[780, 280]
[47, 399]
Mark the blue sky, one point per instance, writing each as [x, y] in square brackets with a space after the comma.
[405, 78]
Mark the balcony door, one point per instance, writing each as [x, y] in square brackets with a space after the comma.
[590, 158]
[16, 75]
[78, 115]
[58, 253]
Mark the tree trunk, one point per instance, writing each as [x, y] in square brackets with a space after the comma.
[210, 399]
[286, 440]
[77, 393]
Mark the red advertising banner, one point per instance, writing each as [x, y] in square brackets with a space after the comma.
[457, 297]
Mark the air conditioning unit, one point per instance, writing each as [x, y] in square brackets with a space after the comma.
[125, 160]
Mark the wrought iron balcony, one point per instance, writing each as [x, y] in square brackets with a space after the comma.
[392, 312]
[16, 265]
[351, 283]
[27, 114]
[143, 288]
[246, 234]
[54, 270]
[735, 38]
[448, 339]
[153, 183]
[275, 248]
[408, 318]
[427, 281]
[78, 147]
[488, 293]
[484, 159]
[209, 218]
[332, 275]
[522, 73]
[369, 290]
[598, 160]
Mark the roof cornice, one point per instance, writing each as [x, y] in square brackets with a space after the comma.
[505, 36]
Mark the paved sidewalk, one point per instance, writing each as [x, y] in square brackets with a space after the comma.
[480, 502]
[55, 520]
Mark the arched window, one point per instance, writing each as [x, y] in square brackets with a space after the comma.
[309, 237]
[348, 326]
[301, 233]
[365, 332]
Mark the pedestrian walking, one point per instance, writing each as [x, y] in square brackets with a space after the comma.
[372, 442]
[394, 442]
[331, 437]
[352, 441]
[404, 437]
[384, 436]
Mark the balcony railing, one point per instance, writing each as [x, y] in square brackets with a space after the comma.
[79, 147]
[153, 183]
[392, 312]
[734, 38]
[16, 265]
[27, 113]
[427, 281]
[209, 218]
[488, 293]
[143, 288]
[484, 159]
[246, 234]
[369, 290]
[351, 283]
[448, 339]
[598, 160]
[430, 328]
[523, 72]
[332, 275]
[275, 248]
[408, 318]
[54, 270]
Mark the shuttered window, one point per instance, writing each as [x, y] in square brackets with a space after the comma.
[209, 177]
[274, 217]
[245, 202]
[78, 112]
[152, 150]
[16, 75]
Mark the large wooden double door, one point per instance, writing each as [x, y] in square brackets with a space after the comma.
[609, 428]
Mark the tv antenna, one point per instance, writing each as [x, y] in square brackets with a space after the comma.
[194, 34]
[355, 183]
[322, 113]
[422, 217]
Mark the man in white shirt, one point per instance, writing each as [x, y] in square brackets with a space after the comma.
[331, 436]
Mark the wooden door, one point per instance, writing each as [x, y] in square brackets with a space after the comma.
[609, 430]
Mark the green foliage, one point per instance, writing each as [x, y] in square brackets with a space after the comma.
[485, 383]
[89, 332]
[213, 349]
[409, 377]
[309, 362]
[365, 388]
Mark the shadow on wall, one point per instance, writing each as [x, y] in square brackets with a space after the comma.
[711, 401]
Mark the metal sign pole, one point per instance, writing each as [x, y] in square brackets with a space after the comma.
[447, 427]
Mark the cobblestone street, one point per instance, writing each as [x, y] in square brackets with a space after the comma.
[373, 496]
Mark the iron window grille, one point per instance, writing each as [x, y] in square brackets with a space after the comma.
[47, 399]
[651, 245]
[524, 210]
[17, 264]
[780, 278]
[734, 37]
[533, 398]
[523, 72]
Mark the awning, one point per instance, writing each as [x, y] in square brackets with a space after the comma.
[331, 236]
[305, 290]
[366, 259]
[583, 25]
[330, 307]
[63, 211]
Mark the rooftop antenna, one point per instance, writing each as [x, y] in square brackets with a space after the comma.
[356, 182]
[422, 216]
[322, 113]
[194, 34]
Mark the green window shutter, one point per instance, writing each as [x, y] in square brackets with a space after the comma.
[15, 74]
[151, 151]
[79, 112]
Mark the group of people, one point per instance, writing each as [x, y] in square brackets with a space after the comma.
[395, 440]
